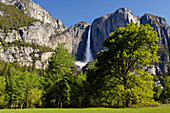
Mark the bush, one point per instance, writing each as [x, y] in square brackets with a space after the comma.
[150, 104]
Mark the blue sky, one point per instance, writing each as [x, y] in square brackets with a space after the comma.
[72, 11]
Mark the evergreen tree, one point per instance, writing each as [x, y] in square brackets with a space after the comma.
[165, 95]
[78, 95]
[59, 77]
[19, 86]
[2, 92]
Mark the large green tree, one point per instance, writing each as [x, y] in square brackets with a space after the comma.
[119, 75]
[59, 77]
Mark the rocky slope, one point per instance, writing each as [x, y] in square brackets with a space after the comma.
[43, 35]
[45, 32]
[75, 39]
[103, 26]
[48, 32]
[36, 11]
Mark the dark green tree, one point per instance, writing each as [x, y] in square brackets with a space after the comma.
[119, 71]
[166, 90]
[77, 97]
[2, 92]
[59, 77]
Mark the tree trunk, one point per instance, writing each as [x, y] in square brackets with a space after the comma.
[27, 104]
[21, 104]
[11, 106]
[127, 103]
[124, 101]
[61, 105]
[17, 104]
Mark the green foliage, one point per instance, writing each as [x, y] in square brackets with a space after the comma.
[34, 97]
[157, 93]
[59, 77]
[2, 91]
[78, 97]
[13, 18]
[19, 85]
[148, 104]
[166, 90]
[118, 75]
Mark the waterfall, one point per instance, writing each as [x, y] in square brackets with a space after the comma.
[88, 54]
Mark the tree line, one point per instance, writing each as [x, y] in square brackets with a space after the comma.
[117, 78]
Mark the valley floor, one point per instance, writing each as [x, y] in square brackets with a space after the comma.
[161, 109]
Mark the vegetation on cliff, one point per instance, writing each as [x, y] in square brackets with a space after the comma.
[11, 18]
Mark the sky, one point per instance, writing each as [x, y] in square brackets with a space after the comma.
[72, 11]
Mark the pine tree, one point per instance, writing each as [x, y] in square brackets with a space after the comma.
[59, 77]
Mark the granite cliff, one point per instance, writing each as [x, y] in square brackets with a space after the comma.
[36, 11]
[103, 26]
[47, 32]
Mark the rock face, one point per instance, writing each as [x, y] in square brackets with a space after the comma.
[36, 11]
[103, 26]
[23, 55]
[44, 35]
[49, 31]
[159, 24]
[37, 33]
[75, 39]
[46, 32]
[10, 2]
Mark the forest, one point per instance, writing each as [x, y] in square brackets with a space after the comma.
[117, 77]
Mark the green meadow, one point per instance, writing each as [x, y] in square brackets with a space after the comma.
[161, 109]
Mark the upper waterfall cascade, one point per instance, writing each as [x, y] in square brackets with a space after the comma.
[88, 54]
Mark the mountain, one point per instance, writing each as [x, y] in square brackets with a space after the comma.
[36, 11]
[39, 38]
[103, 26]
[35, 42]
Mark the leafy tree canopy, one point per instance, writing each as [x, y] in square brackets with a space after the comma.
[119, 70]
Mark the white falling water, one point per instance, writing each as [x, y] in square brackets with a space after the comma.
[88, 55]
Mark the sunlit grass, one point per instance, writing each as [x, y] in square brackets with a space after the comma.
[161, 109]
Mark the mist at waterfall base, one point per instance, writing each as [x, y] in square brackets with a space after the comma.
[88, 54]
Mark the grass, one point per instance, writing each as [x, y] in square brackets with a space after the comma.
[161, 109]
